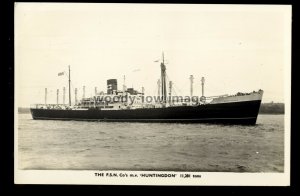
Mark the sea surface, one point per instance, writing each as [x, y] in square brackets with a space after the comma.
[81, 145]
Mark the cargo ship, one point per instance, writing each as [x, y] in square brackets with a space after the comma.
[129, 105]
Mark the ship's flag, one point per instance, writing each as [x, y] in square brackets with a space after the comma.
[156, 61]
[61, 73]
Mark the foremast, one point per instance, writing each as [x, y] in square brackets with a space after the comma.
[163, 81]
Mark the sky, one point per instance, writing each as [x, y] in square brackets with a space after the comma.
[237, 48]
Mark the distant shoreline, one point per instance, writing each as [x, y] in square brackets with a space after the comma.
[22, 110]
[271, 108]
[265, 108]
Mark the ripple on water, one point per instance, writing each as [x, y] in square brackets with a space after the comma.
[99, 145]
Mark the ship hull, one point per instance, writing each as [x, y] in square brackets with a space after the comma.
[244, 113]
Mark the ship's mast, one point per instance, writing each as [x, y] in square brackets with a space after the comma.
[202, 84]
[170, 92]
[124, 84]
[57, 96]
[158, 87]
[69, 86]
[192, 81]
[45, 96]
[163, 80]
[83, 92]
[64, 95]
[76, 96]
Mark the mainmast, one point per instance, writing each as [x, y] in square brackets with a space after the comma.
[69, 86]
[158, 87]
[163, 79]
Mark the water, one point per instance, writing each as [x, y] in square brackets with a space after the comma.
[80, 145]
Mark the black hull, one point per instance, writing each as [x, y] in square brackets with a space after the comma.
[226, 113]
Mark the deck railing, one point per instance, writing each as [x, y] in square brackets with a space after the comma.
[49, 106]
